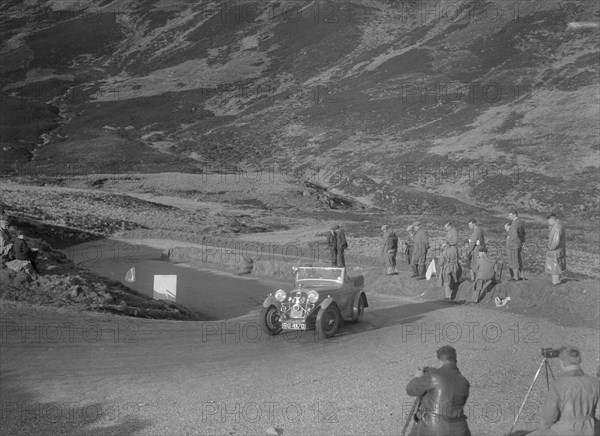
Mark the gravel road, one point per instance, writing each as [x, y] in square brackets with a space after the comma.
[86, 373]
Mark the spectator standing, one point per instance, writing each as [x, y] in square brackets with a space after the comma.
[556, 256]
[516, 239]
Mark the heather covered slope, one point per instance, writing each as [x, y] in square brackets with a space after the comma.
[416, 106]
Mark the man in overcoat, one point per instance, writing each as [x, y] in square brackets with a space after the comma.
[556, 256]
[421, 246]
[516, 239]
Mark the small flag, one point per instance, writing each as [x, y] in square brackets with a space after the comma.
[130, 276]
[431, 270]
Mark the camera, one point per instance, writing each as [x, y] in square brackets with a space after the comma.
[549, 353]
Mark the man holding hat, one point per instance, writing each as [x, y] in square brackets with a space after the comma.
[572, 405]
[390, 249]
[419, 257]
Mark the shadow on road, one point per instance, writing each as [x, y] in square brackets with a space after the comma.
[22, 414]
[391, 316]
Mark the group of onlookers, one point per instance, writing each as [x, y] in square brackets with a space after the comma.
[483, 269]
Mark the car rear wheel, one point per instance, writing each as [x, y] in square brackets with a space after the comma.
[329, 321]
[361, 309]
[270, 322]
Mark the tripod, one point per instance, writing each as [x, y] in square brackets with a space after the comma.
[548, 368]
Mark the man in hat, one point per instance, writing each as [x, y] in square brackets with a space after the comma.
[332, 244]
[444, 392]
[572, 406]
[341, 245]
[419, 257]
[409, 247]
[556, 256]
[476, 243]
[22, 250]
[390, 249]
[516, 239]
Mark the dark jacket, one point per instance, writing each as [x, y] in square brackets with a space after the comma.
[342, 244]
[484, 267]
[516, 233]
[445, 392]
[474, 247]
[21, 249]
[332, 240]
[391, 245]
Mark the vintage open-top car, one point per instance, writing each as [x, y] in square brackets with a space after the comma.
[322, 298]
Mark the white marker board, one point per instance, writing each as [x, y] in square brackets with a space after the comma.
[165, 287]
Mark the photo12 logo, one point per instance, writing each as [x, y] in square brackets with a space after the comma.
[269, 412]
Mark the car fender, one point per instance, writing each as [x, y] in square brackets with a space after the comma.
[271, 301]
[326, 302]
[355, 304]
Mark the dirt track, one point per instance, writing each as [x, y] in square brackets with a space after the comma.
[65, 373]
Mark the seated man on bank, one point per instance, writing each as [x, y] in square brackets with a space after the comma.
[484, 271]
[6, 240]
[23, 252]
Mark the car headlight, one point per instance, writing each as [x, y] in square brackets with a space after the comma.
[313, 296]
[280, 295]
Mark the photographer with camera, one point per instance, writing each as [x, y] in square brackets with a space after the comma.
[444, 392]
[571, 407]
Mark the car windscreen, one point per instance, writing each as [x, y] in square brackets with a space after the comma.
[306, 273]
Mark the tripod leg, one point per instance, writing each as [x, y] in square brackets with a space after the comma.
[548, 367]
[527, 395]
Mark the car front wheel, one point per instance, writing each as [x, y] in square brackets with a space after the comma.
[329, 321]
[270, 320]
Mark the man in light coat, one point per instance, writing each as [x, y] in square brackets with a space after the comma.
[449, 269]
[572, 405]
[421, 246]
[556, 256]
[516, 239]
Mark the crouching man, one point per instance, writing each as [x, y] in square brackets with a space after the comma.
[484, 272]
[571, 407]
[444, 392]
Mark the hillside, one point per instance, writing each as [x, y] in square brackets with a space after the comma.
[413, 106]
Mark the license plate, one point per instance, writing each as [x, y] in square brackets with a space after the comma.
[293, 326]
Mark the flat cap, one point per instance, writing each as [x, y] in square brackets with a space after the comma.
[570, 354]
[335, 227]
[384, 227]
[409, 228]
[416, 224]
